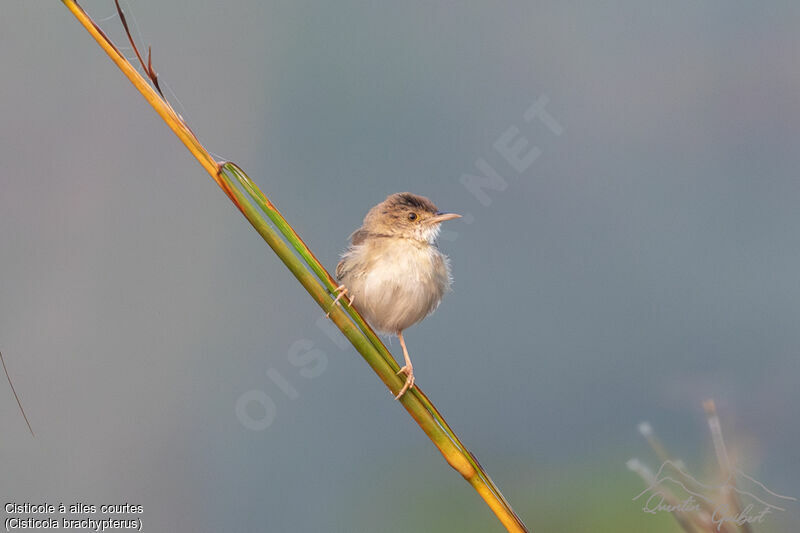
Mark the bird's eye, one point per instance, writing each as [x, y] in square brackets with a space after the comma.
[412, 216]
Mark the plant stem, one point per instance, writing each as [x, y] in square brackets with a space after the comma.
[254, 205]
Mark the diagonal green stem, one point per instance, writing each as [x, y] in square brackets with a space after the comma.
[325, 278]
[317, 282]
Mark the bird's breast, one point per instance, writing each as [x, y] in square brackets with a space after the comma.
[396, 282]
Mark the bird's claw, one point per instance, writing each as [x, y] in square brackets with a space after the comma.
[408, 370]
[342, 290]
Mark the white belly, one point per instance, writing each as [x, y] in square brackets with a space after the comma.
[398, 284]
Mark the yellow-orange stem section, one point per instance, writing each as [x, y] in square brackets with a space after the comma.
[416, 409]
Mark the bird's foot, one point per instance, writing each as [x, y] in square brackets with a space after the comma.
[342, 290]
[408, 370]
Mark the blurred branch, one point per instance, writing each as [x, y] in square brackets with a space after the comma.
[706, 512]
[3, 361]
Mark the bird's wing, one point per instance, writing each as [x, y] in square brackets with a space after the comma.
[357, 239]
[358, 236]
[341, 269]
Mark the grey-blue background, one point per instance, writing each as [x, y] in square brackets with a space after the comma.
[647, 260]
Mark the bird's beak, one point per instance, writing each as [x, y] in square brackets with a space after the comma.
[441, 217]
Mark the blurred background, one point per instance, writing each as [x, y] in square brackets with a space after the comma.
[646, 260]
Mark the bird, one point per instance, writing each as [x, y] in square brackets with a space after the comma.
[392, 272]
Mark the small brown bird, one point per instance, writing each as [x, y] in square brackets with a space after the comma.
[393, 273]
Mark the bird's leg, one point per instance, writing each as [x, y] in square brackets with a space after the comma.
[342, 290]
[408, 370]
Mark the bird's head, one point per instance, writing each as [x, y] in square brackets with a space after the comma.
[406, 215]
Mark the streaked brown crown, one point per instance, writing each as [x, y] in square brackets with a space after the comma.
[402, 214]
[405, 200]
